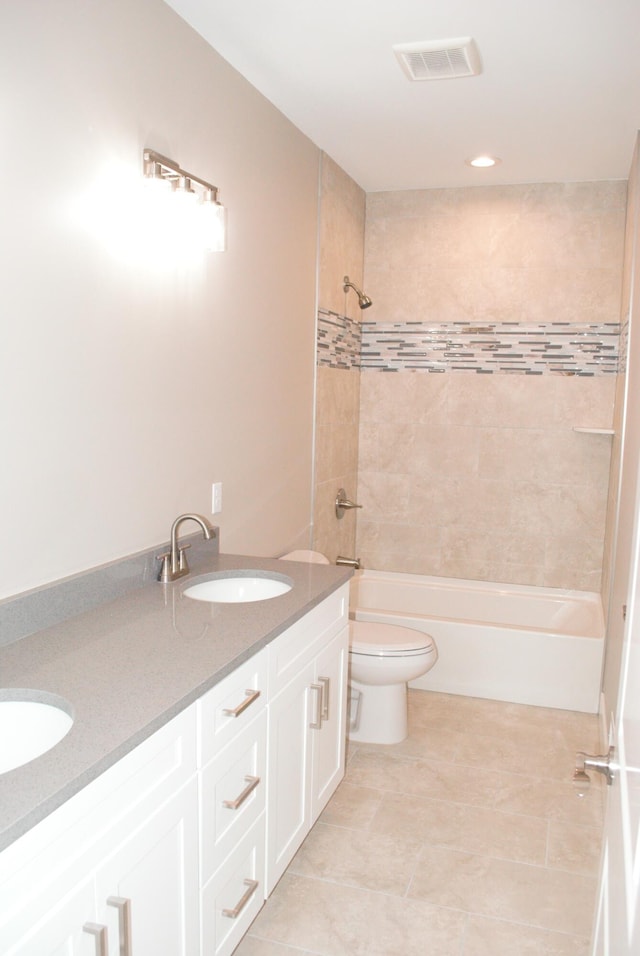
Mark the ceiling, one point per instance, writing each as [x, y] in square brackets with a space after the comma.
[558, 98]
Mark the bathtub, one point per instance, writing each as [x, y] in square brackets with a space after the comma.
[527, 645]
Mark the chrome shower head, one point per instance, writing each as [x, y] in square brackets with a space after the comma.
[363, 300]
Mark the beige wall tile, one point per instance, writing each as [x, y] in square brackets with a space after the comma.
[495, 475]
[496, 484]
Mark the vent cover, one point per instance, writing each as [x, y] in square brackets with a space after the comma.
[439, 59]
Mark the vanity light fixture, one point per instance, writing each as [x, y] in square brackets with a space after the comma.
[483, 162]
[207, 215]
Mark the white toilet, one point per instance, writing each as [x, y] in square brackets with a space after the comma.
[382, 658]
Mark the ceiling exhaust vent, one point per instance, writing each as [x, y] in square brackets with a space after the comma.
[439, 59]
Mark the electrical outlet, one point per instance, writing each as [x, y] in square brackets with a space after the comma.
[216, 497]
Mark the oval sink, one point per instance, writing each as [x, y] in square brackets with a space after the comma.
[28, 727]
[239, 588]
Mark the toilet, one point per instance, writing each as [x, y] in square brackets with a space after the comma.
[382, 658]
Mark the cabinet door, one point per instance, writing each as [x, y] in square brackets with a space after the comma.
[328, 742]
[288, 769]
[60, 932]
[151, 881]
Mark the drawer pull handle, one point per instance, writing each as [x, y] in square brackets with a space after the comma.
[316, 724]
[123, 906]
[238, 908]
[249, 699]
[324, 709]
[252, 783]
[101, 937]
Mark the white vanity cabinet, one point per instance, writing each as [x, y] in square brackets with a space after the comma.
[114, 871]
[173, 850]
[307, 726]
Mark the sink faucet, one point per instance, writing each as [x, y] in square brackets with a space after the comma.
[174, 562]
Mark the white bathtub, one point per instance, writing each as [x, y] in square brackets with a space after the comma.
[528, 645]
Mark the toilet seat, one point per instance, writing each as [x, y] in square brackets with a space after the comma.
[375, 639]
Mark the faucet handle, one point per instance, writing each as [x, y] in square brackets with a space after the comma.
[164, 574]
[183, 564]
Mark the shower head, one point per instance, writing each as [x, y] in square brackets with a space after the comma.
[363, 300]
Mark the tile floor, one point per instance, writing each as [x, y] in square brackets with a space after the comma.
[467, 839]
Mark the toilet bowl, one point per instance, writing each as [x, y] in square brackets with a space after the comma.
[382, 658]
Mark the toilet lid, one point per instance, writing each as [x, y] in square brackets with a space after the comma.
[373, 637]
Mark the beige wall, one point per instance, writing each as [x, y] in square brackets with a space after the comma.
[342, 212]
[482, 476]
[128, 388]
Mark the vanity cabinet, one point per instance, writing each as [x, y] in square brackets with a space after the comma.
[114, 871]
[307, 726]
[173, 850]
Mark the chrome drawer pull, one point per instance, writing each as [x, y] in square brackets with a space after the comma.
[324, 710]
[234, 804]
[235, 912]
[317, 723]
[123, 905]
[101, 935]
[249, 699]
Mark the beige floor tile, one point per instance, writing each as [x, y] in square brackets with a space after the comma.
[433, 779]
[473, 715]
[518, 892]
[333, 920]
[465, 812]
[430, 742]
[252, 946]
[353, 807]
[372, 861]
[490, 937]
[474, 829]
[551, 799]
[573, 847]
[550, 756]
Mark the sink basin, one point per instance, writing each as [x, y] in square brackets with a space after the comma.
[30, 727]
[239, 587]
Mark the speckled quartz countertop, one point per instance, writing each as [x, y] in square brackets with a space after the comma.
[129, 665]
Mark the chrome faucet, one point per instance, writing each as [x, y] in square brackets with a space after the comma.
[174, 562]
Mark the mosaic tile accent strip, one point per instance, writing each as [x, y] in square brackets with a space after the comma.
[539, 348]
[339, 340]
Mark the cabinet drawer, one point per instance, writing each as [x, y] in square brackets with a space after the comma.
[232, 794]
[300, 643]
[233, 897]
[231, 705]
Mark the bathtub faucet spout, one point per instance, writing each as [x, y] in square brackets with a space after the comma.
[349, 562]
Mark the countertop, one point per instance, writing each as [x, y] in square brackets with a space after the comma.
[130, 665]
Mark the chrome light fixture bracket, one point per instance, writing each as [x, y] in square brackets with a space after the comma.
[161, 168]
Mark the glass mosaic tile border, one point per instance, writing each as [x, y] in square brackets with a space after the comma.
[339, 340]
[492, 347]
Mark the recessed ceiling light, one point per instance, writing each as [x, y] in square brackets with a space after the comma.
[482, 162]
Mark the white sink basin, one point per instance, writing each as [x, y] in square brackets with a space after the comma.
[28, 728]
[239, 588]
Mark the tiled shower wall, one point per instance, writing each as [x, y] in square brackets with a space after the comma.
[342, 214]
[469, 465]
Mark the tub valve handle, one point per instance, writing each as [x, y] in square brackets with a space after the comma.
[343, 503]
